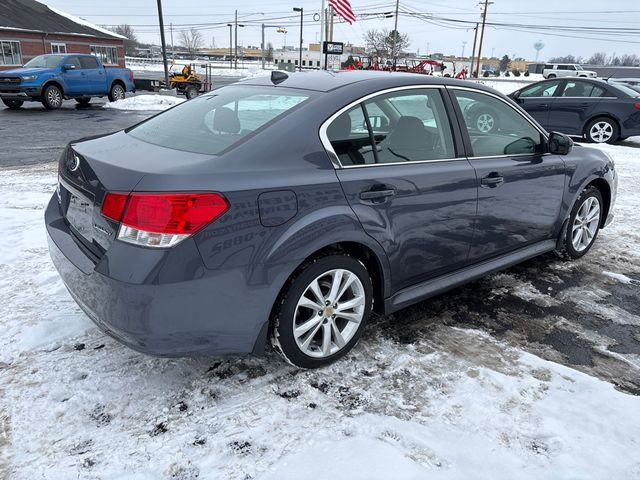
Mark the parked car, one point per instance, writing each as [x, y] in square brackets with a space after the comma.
[291, 207]
[633, 83]
[553, 70]
[51, 78]
[593, 109]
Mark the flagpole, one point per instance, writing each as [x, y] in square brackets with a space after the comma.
[322, 36]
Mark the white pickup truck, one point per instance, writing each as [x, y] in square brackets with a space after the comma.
[553, 70]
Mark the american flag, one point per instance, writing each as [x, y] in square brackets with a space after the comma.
[343, 9]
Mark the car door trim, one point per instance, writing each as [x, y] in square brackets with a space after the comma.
[334, 157]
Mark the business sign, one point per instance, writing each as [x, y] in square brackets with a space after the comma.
[332, 48]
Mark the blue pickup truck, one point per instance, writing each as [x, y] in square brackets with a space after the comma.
[52, 78]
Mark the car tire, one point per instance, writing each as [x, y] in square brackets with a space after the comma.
[583, 224]
[551, 75]
[84, 101]
[191, 92]
[116, 92]
[12, 104]
[311, 299]
[52, 97]
[483, 120]
[602, 130]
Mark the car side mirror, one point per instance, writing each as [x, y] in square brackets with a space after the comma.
[559, 144]
[515, 95]
[68, 66]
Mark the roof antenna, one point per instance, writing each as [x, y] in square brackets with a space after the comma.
[278, 77]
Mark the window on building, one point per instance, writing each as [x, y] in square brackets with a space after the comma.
[58, 48]
[304, 63]
[108, 55]
[10, 53]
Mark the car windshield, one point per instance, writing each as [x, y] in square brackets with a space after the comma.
[214, 122]
[44, 61]
[579, 67]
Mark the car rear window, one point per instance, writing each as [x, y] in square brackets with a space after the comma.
[216, 121]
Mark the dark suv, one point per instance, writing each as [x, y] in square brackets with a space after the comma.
[288, 208]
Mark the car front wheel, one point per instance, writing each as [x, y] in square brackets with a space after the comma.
[602, 130]
[322, 311]
[584, 224]
[52, 97]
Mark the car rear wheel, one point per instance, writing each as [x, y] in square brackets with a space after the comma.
[484, 121]
[12, 104]
[602, 130]
[52, 97]
[584, 224]
[116, 93]
[322, 311]
[551, 75]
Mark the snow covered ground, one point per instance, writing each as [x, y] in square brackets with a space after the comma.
[449, 389]
[219, 69]
[145, 103]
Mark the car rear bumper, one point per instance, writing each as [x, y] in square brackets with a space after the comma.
[210, 313]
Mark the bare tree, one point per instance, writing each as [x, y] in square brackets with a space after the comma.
[630, 60]
[131, 43]
[191, 40]
[598, 58]
[566, 59]
[379, 43]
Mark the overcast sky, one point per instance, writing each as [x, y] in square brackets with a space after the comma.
[425, 35]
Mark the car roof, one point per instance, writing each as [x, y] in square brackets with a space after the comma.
[326, 81]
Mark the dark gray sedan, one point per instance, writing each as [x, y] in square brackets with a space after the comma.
[288, 208]
[590, 108]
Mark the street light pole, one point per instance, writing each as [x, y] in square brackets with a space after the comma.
[230, 25]
[484, 21]
[164, 45]
[301, 10]
[236, 34]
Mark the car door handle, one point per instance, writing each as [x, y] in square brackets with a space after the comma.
[377, 194]
[544, 105]
[493, 180]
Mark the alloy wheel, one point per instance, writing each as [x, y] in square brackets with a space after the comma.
[601, 132]
[485, 122]
[54, 97]
[328, 313]
[118, 92]
[585, 224]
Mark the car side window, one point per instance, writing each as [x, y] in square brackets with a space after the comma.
[543, 89]
[413, 126]
[350, 138]
[75, 61]
[88, 63]
[582, 89]
[495, 128]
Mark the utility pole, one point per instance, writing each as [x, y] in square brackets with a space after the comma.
[230, 25]
[473, 51]
[164, 45]
[262, 46]
[464, 44]
[395, 36]
[484, 21]
[236, 34]
[173, 50]
[322, 37]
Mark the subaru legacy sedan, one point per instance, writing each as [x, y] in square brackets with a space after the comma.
[285, 209]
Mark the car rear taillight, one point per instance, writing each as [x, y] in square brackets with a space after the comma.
[637, 105]
[131, 75]
[162, 219]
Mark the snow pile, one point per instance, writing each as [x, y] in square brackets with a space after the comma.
[145, 103]
[446, 403]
